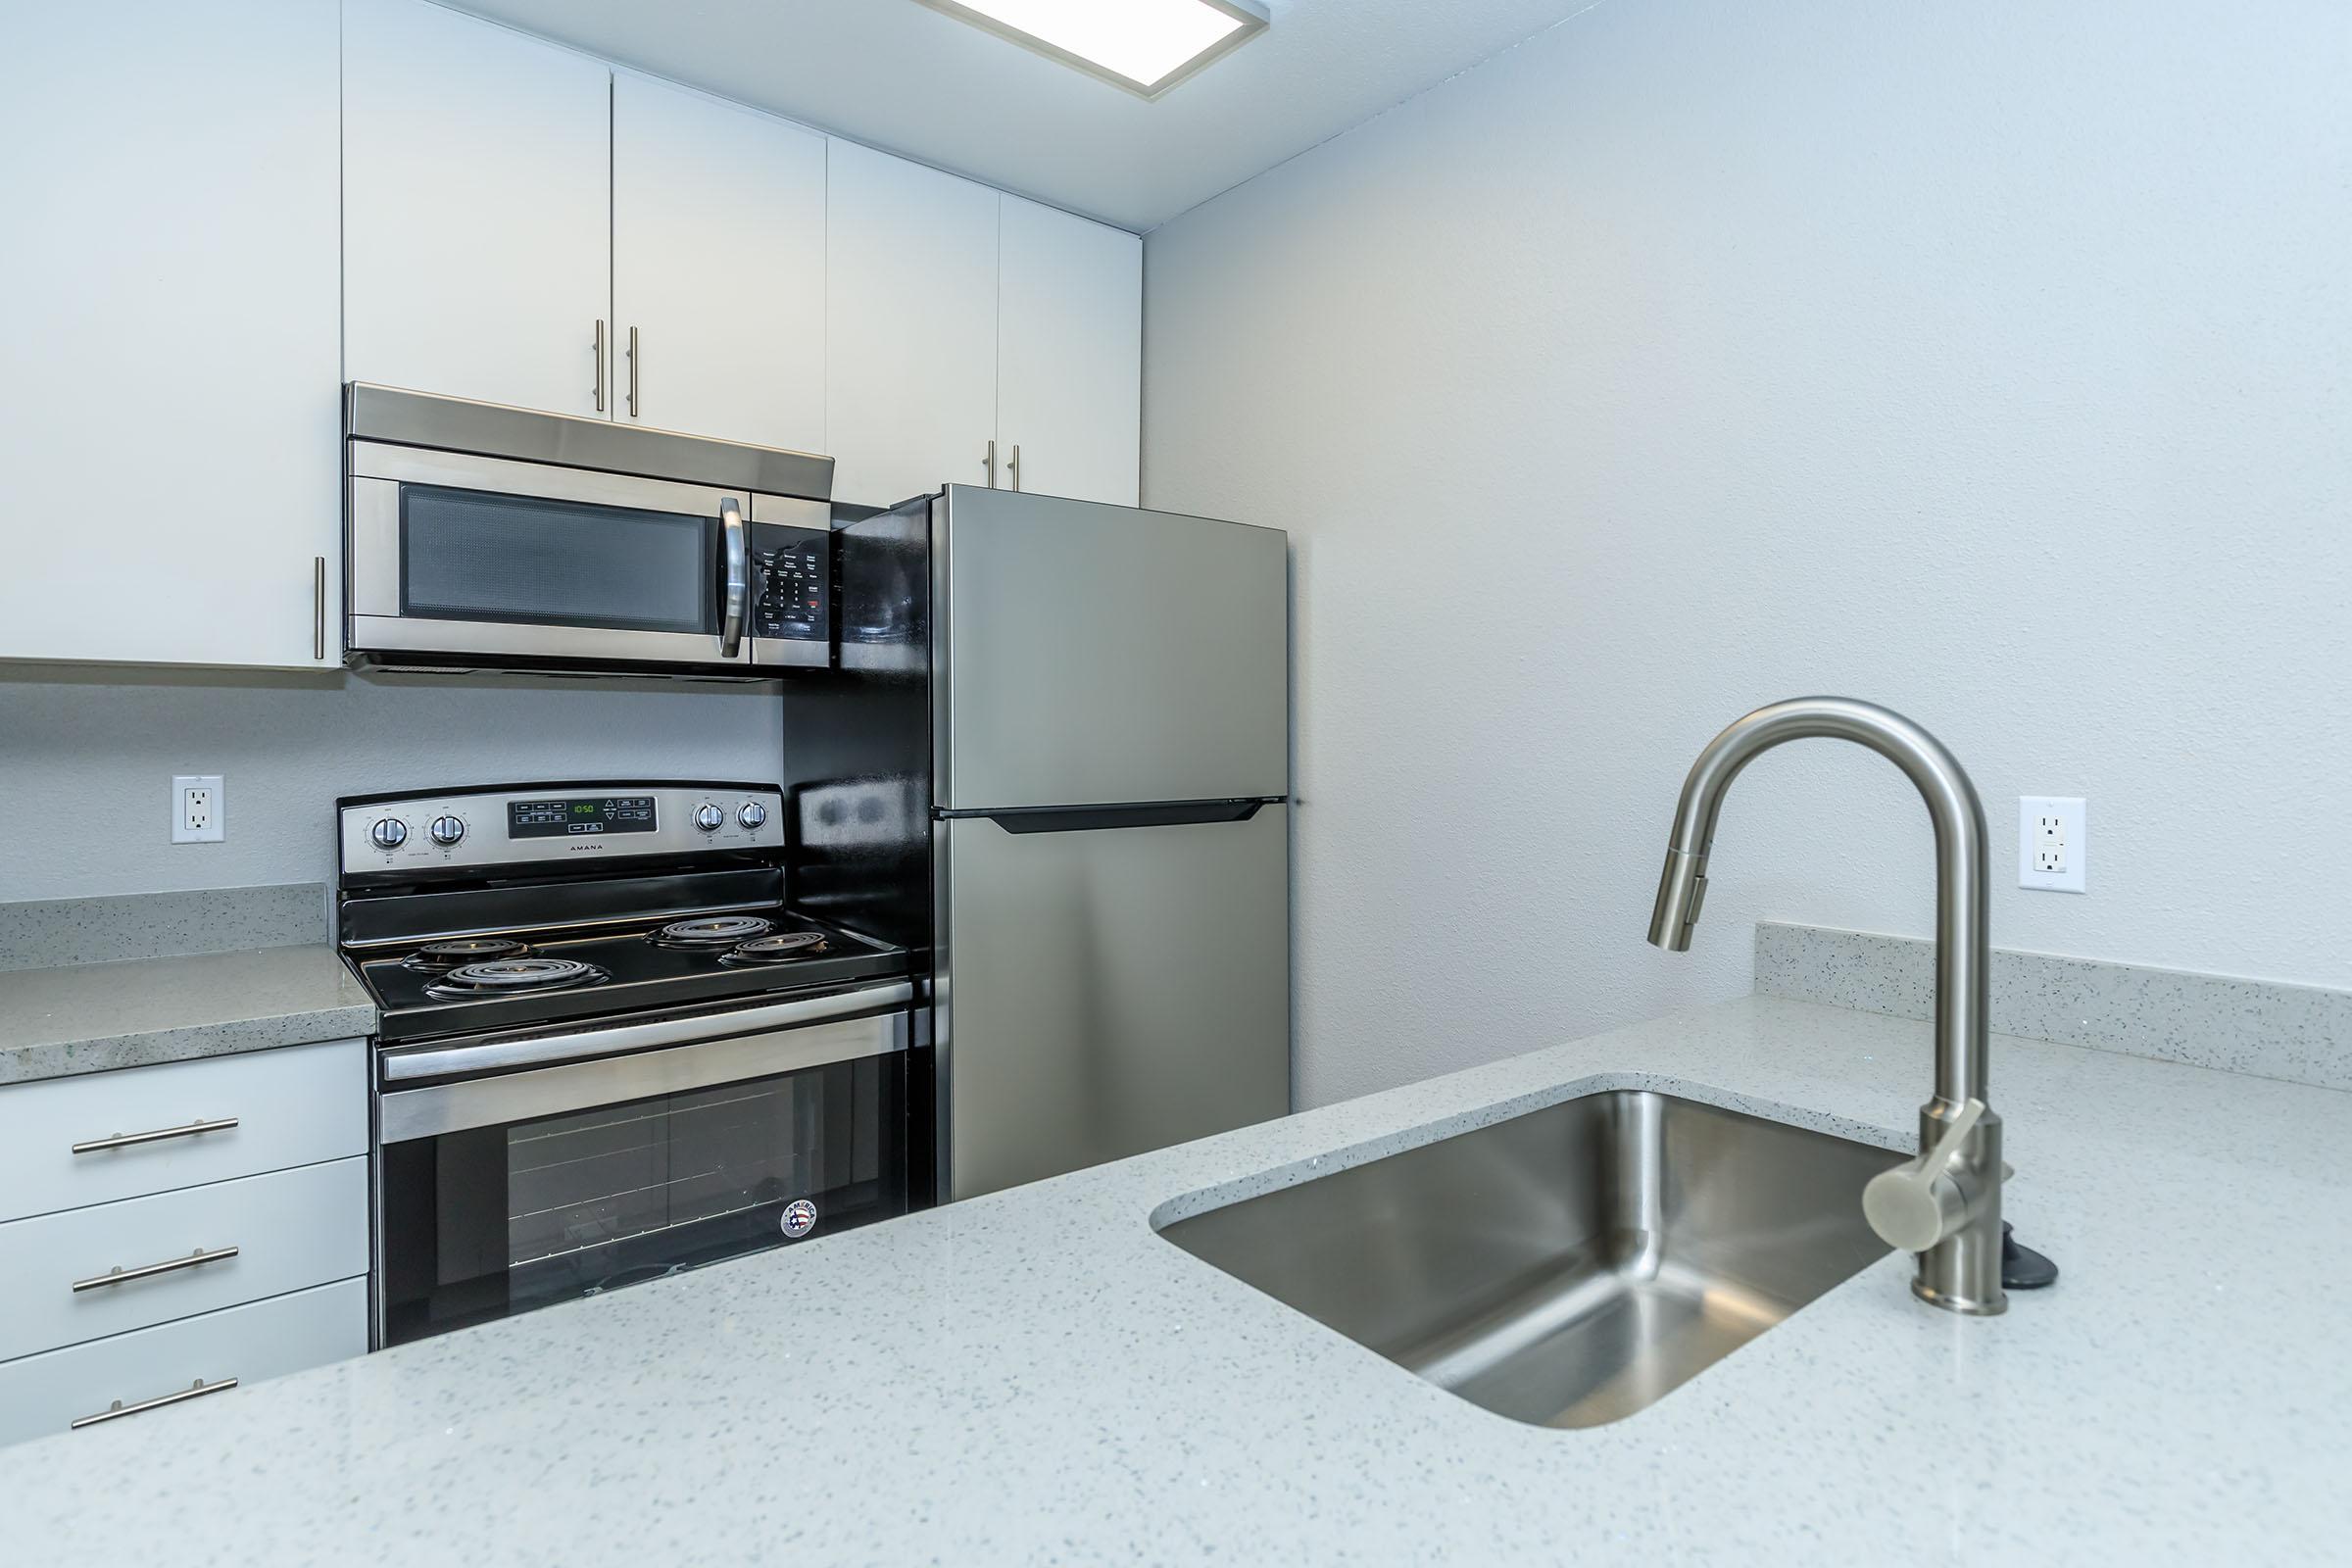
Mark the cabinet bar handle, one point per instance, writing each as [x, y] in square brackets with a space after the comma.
[1016, 466]
[319, 608]
[117, 1411]
[633, 363]
[126, 1140]
[600, 365]
[990, 464]
[124, 1276]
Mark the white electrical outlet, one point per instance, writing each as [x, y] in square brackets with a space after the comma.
[2052, 843]
[199, 808]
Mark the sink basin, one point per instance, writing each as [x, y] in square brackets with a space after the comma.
[1567, 1268]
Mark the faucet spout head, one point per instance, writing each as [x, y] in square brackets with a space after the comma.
[1682, 888]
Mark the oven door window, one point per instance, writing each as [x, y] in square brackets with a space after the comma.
[493, 1220]
[467, 554]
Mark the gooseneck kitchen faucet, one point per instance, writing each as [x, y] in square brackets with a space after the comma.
[1946, 1205]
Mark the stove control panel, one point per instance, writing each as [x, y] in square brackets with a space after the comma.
[569, 822]
[572, 816]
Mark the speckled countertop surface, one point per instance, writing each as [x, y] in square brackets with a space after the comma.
[93, 1017]
[1036, 1377]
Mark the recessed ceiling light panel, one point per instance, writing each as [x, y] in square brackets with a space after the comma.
[1146, 46]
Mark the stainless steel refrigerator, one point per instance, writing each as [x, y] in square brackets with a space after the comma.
[1103, 694]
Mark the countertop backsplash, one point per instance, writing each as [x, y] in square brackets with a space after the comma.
[2266, 1028]
[49, 933]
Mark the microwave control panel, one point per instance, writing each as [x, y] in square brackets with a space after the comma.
[791, 589]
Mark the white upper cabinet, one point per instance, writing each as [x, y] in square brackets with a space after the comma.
[718, 267]
[477, 212]
[169, 420]
[1069, 354]
[911, 337]
[217, 214]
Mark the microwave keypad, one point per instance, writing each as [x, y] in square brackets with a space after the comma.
[789, 569]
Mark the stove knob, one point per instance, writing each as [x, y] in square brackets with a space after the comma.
[389, 833]
[753, 814]
[447, 830]
[709, 819]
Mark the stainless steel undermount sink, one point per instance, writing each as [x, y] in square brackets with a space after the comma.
[1569, 1266]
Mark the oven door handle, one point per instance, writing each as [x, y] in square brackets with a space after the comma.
[736, 588]
[588, 1043]
[506, 1098]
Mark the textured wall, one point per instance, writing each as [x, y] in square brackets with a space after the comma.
[1989, 360]
[87, 759]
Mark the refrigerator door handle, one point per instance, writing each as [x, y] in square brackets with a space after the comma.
[1096, 818]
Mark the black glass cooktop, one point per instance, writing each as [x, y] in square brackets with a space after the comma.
[474, 984]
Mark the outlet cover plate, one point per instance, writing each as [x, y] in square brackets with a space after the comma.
[2053, 843]
[204, 820]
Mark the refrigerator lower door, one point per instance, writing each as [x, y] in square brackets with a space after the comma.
[1107, 990]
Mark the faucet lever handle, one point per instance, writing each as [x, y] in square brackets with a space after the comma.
[1931, 1163]
[1906, 1205]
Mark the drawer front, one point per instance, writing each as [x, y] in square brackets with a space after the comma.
[296, 1105]
[290, 1229]
[40, 1395]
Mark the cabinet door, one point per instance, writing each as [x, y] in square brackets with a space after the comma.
[476, 209]
[266, 1235]
[42, 1395]
[718, 267]
[910, 339]
[263, 1110]
[1070, 353]
[169, 424]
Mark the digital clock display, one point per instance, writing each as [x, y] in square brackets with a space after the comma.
[580, 816]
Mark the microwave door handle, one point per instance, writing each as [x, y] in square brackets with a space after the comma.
[736, 587]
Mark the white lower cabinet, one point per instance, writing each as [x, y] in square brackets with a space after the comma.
[166, 1228]
[69, 1142]
[88, 1273]
[172, 1371]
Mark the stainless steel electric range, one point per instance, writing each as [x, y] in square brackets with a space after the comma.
[609, 1049]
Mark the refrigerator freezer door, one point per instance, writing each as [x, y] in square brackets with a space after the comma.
[1092, 653]
[1108, 990]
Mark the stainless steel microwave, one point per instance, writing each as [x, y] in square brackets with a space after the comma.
[479, 536]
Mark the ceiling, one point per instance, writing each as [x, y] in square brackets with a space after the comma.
[915, 81]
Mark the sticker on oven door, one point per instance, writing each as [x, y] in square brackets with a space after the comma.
[799, 1219]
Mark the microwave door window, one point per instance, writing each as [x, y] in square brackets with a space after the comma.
[471, 556]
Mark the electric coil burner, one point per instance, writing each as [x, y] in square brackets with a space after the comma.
[435, 957]
[506, 976]
[713, 931]
[776, 948]
[610, 1047]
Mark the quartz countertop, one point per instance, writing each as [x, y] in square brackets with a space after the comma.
[1038, 1376]
[134, 1012]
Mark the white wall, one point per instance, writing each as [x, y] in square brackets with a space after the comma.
[87, 754]
[1992, 361]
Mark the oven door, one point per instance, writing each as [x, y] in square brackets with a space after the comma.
[452, 556]
[502, 1191]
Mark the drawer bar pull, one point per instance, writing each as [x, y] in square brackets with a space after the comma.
[126, 1140]
[118, 1275]
[117, 1411]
